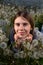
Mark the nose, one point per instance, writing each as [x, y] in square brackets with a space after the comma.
[21, 27]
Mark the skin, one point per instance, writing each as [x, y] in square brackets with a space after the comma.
[22, 28]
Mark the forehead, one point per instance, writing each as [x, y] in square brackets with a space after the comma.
[21, 19]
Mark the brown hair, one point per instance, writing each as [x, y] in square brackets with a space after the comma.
[27, 16]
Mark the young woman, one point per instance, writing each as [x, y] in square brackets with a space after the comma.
[22, 29]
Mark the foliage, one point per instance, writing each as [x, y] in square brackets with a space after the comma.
[41, 18]
[39, 21]
[38, 24]
[32, 54]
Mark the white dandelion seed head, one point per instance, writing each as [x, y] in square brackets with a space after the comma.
[1, 30]
[16, 55]
[3, 45]
[35, 42]
[36, 29]
[35, 55]
[2, 37]
[28, 45]
[22, 54]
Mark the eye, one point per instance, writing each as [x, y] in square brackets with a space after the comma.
[25, 24]
[17, 24]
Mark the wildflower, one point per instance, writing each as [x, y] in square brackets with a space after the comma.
[7, 52]
[28, 45]
[6, 39]
[35, 55]
[36, 29]
[2, 37]
[3, 45]
[16, 55]
[22, 54]
[35, 42]
[1, 31]
[40, 53]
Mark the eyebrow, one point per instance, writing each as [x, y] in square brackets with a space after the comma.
[24, 24]
[21, 23]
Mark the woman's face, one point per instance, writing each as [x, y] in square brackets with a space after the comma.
[21, 26]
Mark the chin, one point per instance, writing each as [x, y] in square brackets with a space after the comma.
[20, 36]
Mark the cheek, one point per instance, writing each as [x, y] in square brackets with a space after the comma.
[28, 29]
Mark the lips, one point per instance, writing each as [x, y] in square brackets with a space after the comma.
[21, 33]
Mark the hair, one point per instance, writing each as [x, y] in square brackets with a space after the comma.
[27, 16]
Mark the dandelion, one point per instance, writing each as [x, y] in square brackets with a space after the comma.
[7, 52]
[36, 29]
[35, 42]
[2, 37]
[35, 55]
[40, 53]
[1, 30]
[7, 21]
[6, 39]
[22, 54]
[16, 55]
[30, 54]
[3, 45]
[28, 45]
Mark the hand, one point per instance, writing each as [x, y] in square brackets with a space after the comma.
[19, 39]
[29, 37]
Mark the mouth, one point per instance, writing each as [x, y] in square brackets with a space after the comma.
[22, 33]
